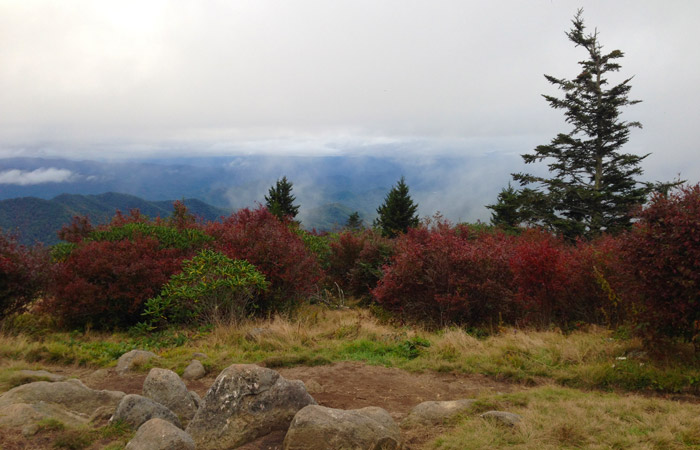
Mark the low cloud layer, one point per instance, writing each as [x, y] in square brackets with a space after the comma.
[38, 176]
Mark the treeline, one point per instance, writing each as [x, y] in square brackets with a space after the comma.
[177, 271]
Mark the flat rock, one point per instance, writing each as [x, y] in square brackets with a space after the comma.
[25, 415]
[503, 417]
[434, 412]
[245, 402]
[136, 410]
[71, 395]
[165, 387]
[133, 359]
[194, 371]
[317, 428]
[159, 434]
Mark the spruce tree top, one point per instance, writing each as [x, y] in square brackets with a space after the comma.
[593, 188]
[280, 200]
[398, 212]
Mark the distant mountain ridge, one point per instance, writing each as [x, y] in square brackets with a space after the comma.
[38, 220]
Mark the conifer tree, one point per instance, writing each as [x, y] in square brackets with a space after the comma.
[398, 212]
[593, 186]
[354, 222]
[280, 200]
[506, 212]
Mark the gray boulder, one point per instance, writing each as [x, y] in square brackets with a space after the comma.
[165, 387]
[434, 412]
[71, 395]
[194, 371]
[133, 359]
[159, 434]
[26, 415]
[244, 403]
[196, 399]
[502, 417]
[136, 409]
[318, 427]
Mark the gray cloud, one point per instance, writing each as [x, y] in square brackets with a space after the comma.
[38, 176]
[126, 79]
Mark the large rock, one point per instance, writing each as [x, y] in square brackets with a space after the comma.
[433, 412]
[71, 395]
[136, 410]
[165, 387]
[244, 403]
[318, 427]
[20, 415]
[133, 359]
[159, 434]
[194, 371]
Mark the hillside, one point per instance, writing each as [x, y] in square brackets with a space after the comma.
[37, 220]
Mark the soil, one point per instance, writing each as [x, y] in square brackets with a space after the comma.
[344, 385]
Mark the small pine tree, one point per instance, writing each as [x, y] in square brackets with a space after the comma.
[280, 200]
[506, 212]
[354, 222]
[398, 212]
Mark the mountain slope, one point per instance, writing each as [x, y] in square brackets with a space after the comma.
[38, 220]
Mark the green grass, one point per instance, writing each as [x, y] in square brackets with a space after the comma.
[556, 417]
[593, 358]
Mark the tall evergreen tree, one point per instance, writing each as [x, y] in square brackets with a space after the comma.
[398, 212]
[354, 222]
[506, 212]
[593, 187]
[280, 200]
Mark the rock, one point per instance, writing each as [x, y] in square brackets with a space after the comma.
[313, 387]
[38, 375]
[433, 413]
[318, 427]
[254, 334]
[71, 395]
[136, 410]
[22, 415]
[30, 430]
[196, 399]
[199, 355]
[101, 414]
[159, 434]
[165, 387]
[245, 402]
[133, 359]
[502, 417]
[194, 371]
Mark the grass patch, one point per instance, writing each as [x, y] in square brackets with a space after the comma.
[591, 358]
[558, 417]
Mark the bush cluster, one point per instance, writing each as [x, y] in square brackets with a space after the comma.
[180, 271]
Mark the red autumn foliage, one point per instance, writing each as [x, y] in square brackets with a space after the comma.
[664, 254]
[268, 243]
[442, 275]
[556, 280]
[105, 284]
[22, 275]
[356, 259]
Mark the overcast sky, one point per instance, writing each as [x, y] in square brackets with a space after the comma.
[104, 79]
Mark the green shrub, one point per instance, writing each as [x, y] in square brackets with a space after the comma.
[210, 288]
[167, 236]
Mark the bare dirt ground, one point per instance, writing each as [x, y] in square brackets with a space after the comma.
[345, 385]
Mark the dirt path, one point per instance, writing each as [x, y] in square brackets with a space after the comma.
[344, 385]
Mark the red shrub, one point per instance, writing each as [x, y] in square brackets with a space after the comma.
[263, 240]
[441, 275]
[356, 260]
[105, 283]
[556, 280]
[22, 275]
[664, 249]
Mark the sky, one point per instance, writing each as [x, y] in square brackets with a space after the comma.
[405, 78]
